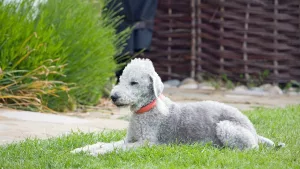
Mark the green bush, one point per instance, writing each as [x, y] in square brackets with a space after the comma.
[91, 44]
[26, 89]
[78, 32]
[28, 60]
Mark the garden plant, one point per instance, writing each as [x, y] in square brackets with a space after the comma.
[56, 54]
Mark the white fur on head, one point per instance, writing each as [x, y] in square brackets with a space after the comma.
[147, 65]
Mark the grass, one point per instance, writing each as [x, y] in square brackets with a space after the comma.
[281, 125]
[25, 89]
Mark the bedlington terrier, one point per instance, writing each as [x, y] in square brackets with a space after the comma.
[156, 119]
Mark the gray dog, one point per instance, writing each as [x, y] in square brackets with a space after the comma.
[158, 120]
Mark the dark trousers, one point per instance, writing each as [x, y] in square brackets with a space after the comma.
[139, 15]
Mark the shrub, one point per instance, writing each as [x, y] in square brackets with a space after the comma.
[78, 32]
[26, 89]
[91, 44]
[28, 60]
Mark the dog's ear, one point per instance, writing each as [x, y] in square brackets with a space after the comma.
[157, 84]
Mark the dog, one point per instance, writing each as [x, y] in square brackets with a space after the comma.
[157, 120]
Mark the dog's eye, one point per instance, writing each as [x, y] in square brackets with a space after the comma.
[133, 83]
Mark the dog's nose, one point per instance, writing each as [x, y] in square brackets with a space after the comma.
[114, 97]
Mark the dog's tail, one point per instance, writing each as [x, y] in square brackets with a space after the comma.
[269, 142]
[266, 141]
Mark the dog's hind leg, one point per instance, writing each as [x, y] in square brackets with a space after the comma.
[235, 136]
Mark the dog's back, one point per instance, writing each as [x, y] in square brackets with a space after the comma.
[196, 122]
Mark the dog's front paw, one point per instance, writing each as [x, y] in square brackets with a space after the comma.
[98, 152]
[106, 148]
[77, 150]
[88, 148]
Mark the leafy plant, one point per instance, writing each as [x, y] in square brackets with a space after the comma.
[292, 84]
[91, 44]
[77, 34]
[258, 79]
[228, 83]
[27, 89]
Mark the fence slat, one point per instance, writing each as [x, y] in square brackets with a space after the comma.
[236, 37]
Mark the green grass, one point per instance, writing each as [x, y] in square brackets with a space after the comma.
[281, 125]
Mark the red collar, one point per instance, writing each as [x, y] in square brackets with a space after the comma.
[148, 107]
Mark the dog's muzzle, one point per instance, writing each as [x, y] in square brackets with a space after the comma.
[114, 97]
[116, 100]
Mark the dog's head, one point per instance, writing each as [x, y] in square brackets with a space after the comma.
[139, 84]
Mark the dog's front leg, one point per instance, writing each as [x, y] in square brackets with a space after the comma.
[120, 145]
[100, 147]
[88, 148]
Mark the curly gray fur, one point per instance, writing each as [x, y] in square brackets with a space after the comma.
[169, 122]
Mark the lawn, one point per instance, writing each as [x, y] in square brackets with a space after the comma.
[281, 125]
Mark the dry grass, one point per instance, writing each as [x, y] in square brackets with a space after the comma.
[27, 89]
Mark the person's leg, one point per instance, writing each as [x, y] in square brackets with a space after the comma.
[138, 15]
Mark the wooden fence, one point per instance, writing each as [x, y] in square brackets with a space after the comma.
[243, 39]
